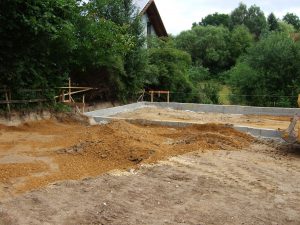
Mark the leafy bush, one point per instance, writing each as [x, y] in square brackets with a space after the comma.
[208, 93]
[198, 74]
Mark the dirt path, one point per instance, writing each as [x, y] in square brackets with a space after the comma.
[258, 121]
[258, 185]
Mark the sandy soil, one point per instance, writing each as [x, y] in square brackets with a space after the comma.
[259, 185]
[39, 153]
[259, 121]
[64, 172]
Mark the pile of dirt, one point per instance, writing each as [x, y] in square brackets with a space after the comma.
[124, 141]
[13, 170]
[80, 151]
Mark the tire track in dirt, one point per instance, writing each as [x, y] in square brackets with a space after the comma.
[234, 172]
[195, 188]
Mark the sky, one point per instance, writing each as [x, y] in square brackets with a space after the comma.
[178, 15]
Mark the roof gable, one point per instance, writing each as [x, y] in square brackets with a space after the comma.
[140, 4]
[149, 7]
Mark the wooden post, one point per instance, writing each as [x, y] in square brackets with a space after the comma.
[143, 95]
[152, 97]
[63, 96]
[7, 99]
[83, 101]
[168, 97]
[299, 100]
[298, 133]
[69, 89]
[39, 96]
[9, 95]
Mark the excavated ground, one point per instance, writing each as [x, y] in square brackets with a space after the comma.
[167, 114]
[65, 172]
[39, 153]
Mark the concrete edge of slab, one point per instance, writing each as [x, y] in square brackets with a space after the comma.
[256, 132]
[228, 109]
[225, 109]
[116, 110]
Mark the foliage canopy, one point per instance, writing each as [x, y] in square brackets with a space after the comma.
[101, 43]
[269, 74]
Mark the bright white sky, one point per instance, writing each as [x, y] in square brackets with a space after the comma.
[178, 15]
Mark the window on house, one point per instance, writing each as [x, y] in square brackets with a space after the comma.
[148, 28]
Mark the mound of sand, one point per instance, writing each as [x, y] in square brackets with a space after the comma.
[79, 151]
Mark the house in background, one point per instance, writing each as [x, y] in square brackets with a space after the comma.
[151, 18]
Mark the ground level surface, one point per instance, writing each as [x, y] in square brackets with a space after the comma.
[253, 186]
[65, 172]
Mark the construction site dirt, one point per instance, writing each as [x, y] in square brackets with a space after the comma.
[65, 172]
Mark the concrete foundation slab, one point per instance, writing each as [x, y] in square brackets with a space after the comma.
[106, 115]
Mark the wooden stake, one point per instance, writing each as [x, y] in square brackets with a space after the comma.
[63, 96]
[143, 95]
[9, 95]
[69, 89]
[152, 97]
[83, 101]
[168, 97]
[298, 133]
[7, 99]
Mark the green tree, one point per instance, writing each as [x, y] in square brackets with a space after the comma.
[215, 19]
[37, 39]
[269, 73]
[169, 70]
[256, 20]
[292, 19]
[208, 46]
[110, 55]
[285, 27]
[187, 41]
[242, 80]
[99, 57]
[273, 22]
[241, 39]
[239, 15]
[198, 74]
[253, 18]
[98, 43]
